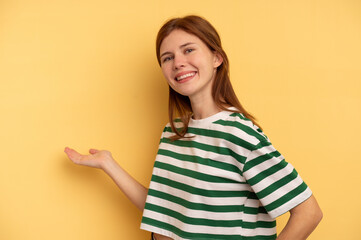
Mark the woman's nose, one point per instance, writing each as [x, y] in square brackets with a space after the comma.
[179, 62]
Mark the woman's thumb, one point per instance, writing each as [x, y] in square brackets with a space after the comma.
[93, 151]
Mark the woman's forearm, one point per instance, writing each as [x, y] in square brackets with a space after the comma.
[303, 220]
[135, 191]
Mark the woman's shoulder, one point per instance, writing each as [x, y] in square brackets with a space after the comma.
[236, 123]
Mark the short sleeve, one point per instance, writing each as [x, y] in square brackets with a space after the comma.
[276, 182]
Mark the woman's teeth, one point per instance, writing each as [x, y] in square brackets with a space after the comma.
[185, 76]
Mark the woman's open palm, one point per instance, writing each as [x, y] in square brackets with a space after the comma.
[96, 158]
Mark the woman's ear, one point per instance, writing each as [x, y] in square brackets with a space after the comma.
[218, 60]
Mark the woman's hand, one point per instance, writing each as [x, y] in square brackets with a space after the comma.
[135, 191]
[96, 158]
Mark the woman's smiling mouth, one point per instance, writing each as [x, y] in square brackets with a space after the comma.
[182, 77]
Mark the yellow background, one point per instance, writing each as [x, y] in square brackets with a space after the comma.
[84, 74]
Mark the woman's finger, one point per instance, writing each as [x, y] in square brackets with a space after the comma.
[73, 155]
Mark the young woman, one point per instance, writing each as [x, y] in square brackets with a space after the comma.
[216, 175]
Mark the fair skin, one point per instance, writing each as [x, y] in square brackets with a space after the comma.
[185, 55]
[189, 68]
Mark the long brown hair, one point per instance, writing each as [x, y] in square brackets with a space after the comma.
[222, 90]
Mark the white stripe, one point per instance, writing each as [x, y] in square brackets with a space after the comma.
[207, 229]
[280, 192]
[239, 133]
[202, 169]
[250, 173]
[257, 217]
[291, 204]
[262, 151]
[216, 142]
[193, 182]
[216, 201]
[247, 123]
[202, 153]
[233, 216]
[273, 178]
[195, 213]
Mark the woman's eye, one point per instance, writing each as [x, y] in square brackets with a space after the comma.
[167, 59]
[189, 50]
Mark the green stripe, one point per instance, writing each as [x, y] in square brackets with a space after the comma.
[200, 160]
[205, 147]
[262, 144]
[287, 197]
[268, 172]
[258, 160]
[240, 115]
[255, 211]
[209, 222]
[252, 195]
[206, 207]
[221, 135]
[200, 236]
[198, 191]
[249, 130]
[194, 174]
[198, 206]
[278, 184]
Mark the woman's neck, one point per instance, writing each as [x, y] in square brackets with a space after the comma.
[203, 108]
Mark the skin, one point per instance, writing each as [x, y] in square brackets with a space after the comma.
[303, 220]
[181, 54]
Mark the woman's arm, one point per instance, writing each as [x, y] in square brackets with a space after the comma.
[303, 220]
[135, 191]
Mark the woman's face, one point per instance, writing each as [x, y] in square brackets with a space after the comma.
[188, 64]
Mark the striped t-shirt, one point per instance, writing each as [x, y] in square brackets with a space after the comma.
[227, 182]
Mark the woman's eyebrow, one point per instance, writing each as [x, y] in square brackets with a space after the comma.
[186, 44]
[165, 53]
[181, 46]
